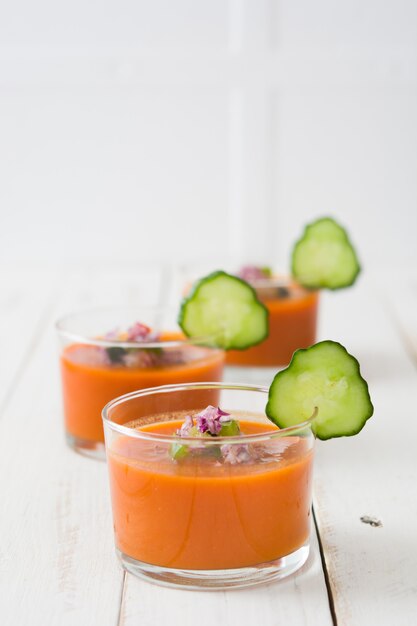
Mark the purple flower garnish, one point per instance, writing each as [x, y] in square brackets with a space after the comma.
[210, 420]
[252, 272]
[139, 358]
[186, 427]
[112, 334]
[236, 453]
[140, 332]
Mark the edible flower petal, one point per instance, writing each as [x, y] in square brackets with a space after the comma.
[140, 332]
[139, 358]
[235, 453]
[209, 423]
[253, 272]
[210, 420]
[112, 334]
[186, 427]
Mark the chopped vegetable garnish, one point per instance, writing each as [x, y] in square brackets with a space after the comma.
[212, 422]
[141, 332]
[230, 428]
[253, 272]
[112, 335]
[142, 356]
[115, 354]
[233, 453]
[178, 451]
[187, 425]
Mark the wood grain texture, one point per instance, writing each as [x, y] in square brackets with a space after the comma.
[371, 569]
[25, 298]
[300, 600]
[57, 563]
[402, 305]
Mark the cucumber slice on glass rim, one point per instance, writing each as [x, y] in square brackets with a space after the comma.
[225, 308]
[324, 256]
[323, 377]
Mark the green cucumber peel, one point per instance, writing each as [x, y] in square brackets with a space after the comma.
[323, 377]
[225, 309]
[179, 451]
[116, 354]
[324, 256]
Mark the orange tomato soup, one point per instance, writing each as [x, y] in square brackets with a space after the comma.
[204, 515]
[89, 385]
[292, 325]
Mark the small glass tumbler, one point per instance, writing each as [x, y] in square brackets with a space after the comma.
[293, 317]
[98, 362]
[207, 512]
[293, 314]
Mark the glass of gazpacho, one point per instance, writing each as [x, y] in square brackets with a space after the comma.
[206, 491]
[322, 258]
[293, 312]
[293, 316]
[107, 353]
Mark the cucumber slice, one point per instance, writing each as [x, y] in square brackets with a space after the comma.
[226, 308]
[325, 376]
[324, 256]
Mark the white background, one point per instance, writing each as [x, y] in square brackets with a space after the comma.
[167, 131]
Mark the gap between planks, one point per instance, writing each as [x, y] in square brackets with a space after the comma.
[120, 618]
[332, 607]
[35, 359]
[363, 563]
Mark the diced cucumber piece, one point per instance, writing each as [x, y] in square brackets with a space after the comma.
[324, 256]
[325, 376]
[225, 308]
[116, 355]
[178, 451]
[230, 429]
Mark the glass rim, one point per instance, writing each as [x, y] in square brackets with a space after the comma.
[279, 278]
[205, 342]
[284, 281]
[212, 441]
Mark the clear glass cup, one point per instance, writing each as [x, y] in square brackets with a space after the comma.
[293, 313]
[97, 367]
[293, 316]
[227, 512]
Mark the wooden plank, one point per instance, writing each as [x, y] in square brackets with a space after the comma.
[25, 296]
[110, 285]
[300, 599]
[57, 563]
[371, 569]
[402, 304]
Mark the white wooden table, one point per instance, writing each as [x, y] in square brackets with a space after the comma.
[57, 562]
